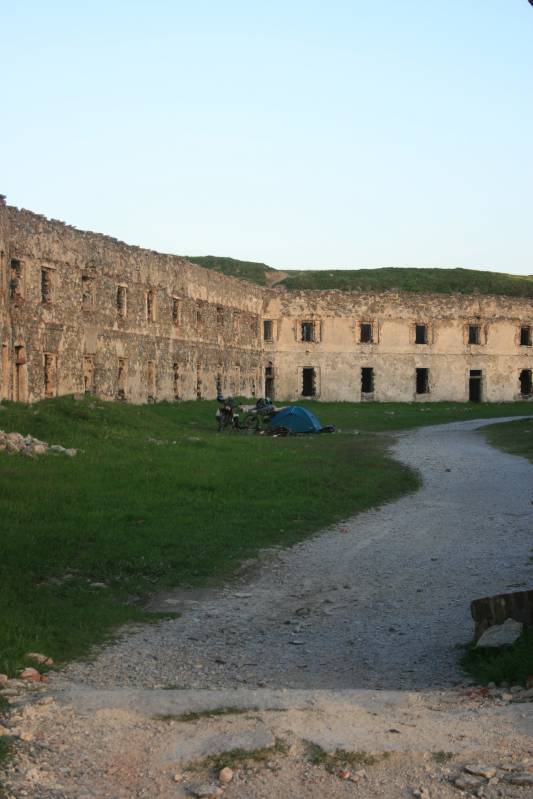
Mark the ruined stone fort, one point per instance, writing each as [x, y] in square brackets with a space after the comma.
[83, 312]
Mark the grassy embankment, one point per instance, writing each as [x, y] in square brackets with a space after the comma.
[418, 280]
[139, 512]
[513, 664]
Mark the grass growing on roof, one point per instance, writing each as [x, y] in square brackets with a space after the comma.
[421, 280]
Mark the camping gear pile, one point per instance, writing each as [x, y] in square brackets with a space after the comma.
[265, 418]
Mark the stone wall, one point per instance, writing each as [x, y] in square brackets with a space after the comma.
[338, 322]
[84, 312]
[80, 311]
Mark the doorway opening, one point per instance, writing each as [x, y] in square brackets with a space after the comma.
[269, 381]
[474, 385]
[308, 382]
[422, 381]
[526, 384]
[367, 380]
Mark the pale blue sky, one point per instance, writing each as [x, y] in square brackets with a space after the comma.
[301, 133]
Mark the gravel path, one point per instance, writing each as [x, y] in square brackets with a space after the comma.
[381, 601]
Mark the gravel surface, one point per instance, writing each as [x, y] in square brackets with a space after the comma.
[381, 601]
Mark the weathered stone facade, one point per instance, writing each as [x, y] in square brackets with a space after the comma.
[80, 311]
[84, 312]
[401, 346]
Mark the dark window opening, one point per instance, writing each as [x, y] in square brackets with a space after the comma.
[46, 286]
[122, 379]
[122, 301]
[308, 382]
[525, 336]
[308, 331]
[176, 380]
[473, 334]
[50, 375]
[220, 315]
[367, 380]
[421, 334]
[151, 381]
[365, 333]
[422, 381]
[474, 385]
[175, 310]
[87, 292]
[526, 384]
[269, 381]
[15, 279]
[150, 305]
[267, 330]
[198, 381]
[21, 374]
[88, 374]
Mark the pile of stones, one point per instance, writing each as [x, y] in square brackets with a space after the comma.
[475, 777]
[30, 446]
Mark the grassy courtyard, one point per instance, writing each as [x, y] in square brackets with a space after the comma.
[157, 498]
[513, 664]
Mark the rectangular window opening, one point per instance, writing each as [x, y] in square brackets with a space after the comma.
[4, 393]
[20, 388]
[526, 385]
[151, 380]
[365, 333]
[87, 292]
[122, 301]
[88, 374]
[176, 310]
[15, 279]
[269, 381]
[367, 380]
[474, 332]
[421, 334]
[525, 336]
[122, 379]
[50, 375]
[308, 382]
[46, 286]
[220, 315]
[475, 385]
[199, 319]
[176, 380]
[267, 330]
[307, 330]
[150, 305]
[422, 381]
[199, 381]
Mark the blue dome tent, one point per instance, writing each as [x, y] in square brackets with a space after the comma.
[297, 420]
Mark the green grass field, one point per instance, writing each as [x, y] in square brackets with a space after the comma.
[157, 498]
[512, 664]
[418, 280]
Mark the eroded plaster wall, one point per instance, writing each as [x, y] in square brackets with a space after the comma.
[338, 355]
[80, 311]
[91, 313]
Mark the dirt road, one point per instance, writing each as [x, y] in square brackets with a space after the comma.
[379, 602]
